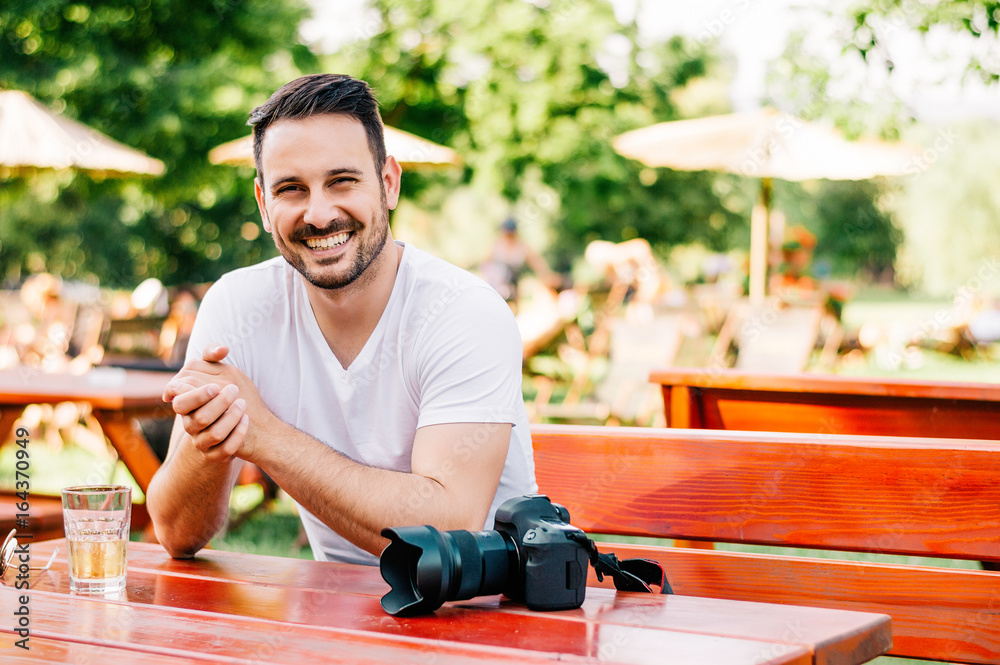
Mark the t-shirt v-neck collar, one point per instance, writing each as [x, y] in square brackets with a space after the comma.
[364, 356]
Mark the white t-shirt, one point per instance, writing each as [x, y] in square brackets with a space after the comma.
[446, 350]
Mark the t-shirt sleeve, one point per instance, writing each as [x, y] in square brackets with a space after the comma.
[469, 362]
[214, 325]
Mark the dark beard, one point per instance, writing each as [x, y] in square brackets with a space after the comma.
[364, 258]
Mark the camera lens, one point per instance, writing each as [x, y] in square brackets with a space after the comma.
[426, 567]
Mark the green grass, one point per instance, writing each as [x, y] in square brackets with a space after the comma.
[274, 531]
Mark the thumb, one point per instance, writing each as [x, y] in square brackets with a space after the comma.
[214, 354]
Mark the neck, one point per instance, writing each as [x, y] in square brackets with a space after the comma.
[347, 316]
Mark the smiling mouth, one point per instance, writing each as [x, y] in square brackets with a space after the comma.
[328, 242]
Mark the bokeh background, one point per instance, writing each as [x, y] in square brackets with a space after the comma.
[530, 94]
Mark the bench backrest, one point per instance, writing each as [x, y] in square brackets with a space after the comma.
[924, 497]
[726, 399]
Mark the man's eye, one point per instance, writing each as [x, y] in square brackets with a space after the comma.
[288, 188]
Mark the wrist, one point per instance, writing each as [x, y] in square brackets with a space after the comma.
[264, 427]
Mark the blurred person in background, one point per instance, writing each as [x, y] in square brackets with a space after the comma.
[509, 258]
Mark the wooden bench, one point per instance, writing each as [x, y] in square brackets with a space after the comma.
[735, 400]
[891, 495]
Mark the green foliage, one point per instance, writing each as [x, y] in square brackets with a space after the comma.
[532, 96]
[874, 20]
[950, 212]
[813, 86]
[173, 78]
[855, 237]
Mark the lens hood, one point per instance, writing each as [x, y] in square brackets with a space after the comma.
[416, 565]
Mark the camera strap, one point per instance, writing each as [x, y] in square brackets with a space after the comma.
[627, 574]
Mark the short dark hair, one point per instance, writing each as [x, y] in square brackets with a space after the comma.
[317, 94]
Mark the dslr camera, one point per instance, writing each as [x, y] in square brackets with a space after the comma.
[533, 556]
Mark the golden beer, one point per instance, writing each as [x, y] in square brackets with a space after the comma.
[97, 559]
[96, 521]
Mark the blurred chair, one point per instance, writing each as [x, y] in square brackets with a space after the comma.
[134, 343]
[776, 337]
[622, 392]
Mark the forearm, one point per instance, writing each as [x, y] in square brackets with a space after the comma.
[358, 501]
[188, 498]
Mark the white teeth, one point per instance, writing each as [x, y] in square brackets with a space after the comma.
[328, 242]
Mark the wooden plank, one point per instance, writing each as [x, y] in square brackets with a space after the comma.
[134, 451]
[782, 627]
[43, 650]
[455, 634]
[849, 414]
[682, 408]
[105, 388]
[188, 578]
[45, 519]
[924, 497]
[716, 378]
[937, 613]
[833, 404]
[8, 416]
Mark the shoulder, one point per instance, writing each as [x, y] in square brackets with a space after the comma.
[425, 273]
[452, 312]
[435, 287]
[271, 279]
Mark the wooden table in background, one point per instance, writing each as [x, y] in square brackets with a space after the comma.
[117, 397]
[225, 607]
[816, 403]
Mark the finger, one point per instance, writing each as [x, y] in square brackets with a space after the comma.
[223, 426]
[195, 398]
[177, 387]
[204, 416]
[230, 447]
[214, 354]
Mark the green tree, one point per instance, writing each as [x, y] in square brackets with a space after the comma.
[856, 237]
[531, 94]
[950, 211]
[875, 20]
[171, 77]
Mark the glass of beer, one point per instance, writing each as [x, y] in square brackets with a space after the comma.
[96, 519]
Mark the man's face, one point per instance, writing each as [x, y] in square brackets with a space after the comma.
[322, 200]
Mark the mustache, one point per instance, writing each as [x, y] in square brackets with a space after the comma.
[337, 226]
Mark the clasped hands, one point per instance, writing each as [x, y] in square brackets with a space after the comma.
[216, 402]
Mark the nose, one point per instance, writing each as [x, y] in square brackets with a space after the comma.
[321, 209]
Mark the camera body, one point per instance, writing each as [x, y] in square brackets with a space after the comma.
[531, 556]
[553, 568]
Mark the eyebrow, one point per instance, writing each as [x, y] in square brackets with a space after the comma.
[329, 174]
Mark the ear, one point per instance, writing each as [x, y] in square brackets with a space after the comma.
[259, 195]
[391, 177]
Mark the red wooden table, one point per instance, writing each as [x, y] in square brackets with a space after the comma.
[117, 397]
[736, 400]
[224, 607]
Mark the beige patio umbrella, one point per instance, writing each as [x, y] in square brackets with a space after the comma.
[32, 137]
[410, 150]
[765, 144]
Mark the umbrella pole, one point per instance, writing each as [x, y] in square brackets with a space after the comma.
[760, 221]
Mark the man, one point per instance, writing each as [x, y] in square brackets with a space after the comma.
[377, 385]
